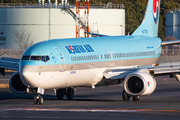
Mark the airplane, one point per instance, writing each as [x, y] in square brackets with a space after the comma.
[66, 64]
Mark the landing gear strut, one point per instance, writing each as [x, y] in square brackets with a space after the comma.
[61, 92]
[38, 100]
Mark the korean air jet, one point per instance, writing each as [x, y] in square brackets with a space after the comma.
[66, 64]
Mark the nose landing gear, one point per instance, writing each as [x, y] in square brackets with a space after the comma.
[38, 100]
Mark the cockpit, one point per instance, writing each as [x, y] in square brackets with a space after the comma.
[38, 58]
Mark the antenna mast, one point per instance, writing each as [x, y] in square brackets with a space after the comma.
[82, 18]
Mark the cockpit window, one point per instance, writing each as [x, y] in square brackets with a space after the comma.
[40, 58]
[35, 58]
[45, 58]
[25, 58]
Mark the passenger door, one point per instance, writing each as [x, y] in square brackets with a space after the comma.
[61, 59]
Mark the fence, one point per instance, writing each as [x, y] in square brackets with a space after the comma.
[170, 52]
[17, 52]
[27, 5]
[173, 10]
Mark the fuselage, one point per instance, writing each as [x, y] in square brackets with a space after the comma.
[63, 63]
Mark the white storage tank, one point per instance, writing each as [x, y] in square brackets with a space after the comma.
[54, 23]
[173, 23]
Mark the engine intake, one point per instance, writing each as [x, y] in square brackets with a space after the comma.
[16, 84]
[139, 83]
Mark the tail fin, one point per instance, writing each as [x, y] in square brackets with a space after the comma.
[149, 25]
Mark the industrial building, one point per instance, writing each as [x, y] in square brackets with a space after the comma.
[55, 21]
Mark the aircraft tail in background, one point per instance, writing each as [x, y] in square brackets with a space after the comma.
[149, 25]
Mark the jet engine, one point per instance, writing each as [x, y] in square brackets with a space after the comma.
[139, 83]
[16, 84]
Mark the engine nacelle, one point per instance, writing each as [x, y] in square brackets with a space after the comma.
[16, 84]
[139, 83]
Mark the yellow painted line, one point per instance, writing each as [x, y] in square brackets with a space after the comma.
[83, 110]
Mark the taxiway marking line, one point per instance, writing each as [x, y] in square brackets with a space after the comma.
[85, 110]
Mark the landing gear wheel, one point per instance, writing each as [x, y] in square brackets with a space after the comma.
[38, 100]
[35, 100]
[60, 93]
[70, 93]
[125, 96]
[136, 98]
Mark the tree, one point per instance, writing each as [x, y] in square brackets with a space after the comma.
[23, 38]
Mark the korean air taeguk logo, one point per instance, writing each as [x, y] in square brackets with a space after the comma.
[79, 49]
[155, 10]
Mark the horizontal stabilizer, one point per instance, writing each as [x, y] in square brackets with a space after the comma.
[164, 43]
[95, 34]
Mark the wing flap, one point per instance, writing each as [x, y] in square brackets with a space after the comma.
[166, 68]
[161, 69]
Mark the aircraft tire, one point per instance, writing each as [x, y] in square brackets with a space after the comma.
[70, 93]
[125, 96]
[40, 100]
[136, 98]
[60, 93]
[35, 100]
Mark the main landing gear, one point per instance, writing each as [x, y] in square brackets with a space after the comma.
[69, 92]
[126, 97]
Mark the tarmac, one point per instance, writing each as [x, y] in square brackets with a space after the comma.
[100, 103]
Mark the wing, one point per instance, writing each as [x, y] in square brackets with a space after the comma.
[164, 43]
[8, 63]
[165, 68]
[172, 69]
[95, 34]
[116, 76]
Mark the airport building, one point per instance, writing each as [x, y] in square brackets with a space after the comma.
[54, 21]
[173, 23]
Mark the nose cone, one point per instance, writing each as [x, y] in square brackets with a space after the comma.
[27, 70]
